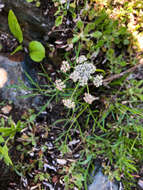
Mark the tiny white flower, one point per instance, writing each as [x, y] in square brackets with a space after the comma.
[74, 76]
[60, 84]
[97, 81]
[81, 59]
[65, 66]
[83, 81]
[88, 98]
[68, 103]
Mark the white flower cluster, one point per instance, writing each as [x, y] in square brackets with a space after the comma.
[60, 84]
[65, 66]
[81, 59]
[83, 73]
[88, 98]
[97, 81]
[68, 103]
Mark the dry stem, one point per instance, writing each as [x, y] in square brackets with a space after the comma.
[116, 76]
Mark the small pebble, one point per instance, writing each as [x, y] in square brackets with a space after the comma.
[140, 183]
[49, 167]
[25, 182]
[31, 154]
[48, 185]
[61, 161]
[49, 145]
[74, 142]
[76, 155]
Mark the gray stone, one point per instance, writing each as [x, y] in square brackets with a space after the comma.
[17, 84]
[140, 183]
[101, 182]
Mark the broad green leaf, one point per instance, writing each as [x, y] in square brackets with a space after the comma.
[126, 42]
[89, 27]
[5, 129]
[96, 34]
[91, 14]
[123, 63]
[37, 51]
[59, 20]
[99, 44]
[14, 26]
[4, 152]
[101, 18]
[18, 48]
[1, 139]
[73, 5]
[75, 39]
[80, 25]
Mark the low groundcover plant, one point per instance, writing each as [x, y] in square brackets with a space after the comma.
[104, 120]
[83, 72]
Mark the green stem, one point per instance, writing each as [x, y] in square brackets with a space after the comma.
[74, 90]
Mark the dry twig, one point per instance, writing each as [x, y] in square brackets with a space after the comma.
[116, 76]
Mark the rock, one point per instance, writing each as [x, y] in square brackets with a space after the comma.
[50, 187]
[3, 77]
[14, 83]
[101, 182]
[140, 183]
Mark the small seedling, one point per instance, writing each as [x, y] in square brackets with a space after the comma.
[36, 49]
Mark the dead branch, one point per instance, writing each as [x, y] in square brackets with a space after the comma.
[116, 76]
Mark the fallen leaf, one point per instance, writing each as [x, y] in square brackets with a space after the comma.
[6, 109]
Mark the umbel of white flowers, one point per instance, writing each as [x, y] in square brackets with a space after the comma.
[60, 84]
[82, 73]
[88, 98]
[65, 66]
[69, 103]
[98, 80]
